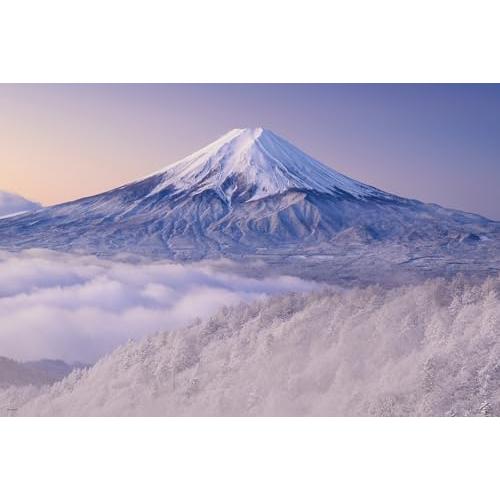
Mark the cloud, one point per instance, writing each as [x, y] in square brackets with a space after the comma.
[77, 308]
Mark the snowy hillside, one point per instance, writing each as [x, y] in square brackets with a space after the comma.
[427, 349]
[251, 193]
[11, 204]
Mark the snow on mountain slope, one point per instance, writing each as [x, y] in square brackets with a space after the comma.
[250, 193]
[12, 204]
[427, 349]
[262, 162]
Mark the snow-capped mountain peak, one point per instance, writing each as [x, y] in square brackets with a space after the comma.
[256, 161]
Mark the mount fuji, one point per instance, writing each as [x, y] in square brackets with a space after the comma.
[252, 193]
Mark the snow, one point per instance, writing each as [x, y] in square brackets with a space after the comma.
[264, 160]
[425, 349]
[13, 204]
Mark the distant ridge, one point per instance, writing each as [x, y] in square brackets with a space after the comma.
[13, 204]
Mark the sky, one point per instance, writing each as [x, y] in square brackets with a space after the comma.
[435, 143]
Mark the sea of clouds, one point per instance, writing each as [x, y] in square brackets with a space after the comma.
[78, 308]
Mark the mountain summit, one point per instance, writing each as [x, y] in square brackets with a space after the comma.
[250, 193]
[254, 163]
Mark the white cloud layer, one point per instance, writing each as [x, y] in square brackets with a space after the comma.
[77, 308]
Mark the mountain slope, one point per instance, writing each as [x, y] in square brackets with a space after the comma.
[248, 193]
[11, 204]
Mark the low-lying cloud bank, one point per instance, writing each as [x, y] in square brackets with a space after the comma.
[77, 308]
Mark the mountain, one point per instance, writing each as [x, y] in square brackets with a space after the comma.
[250, 193]
[11, 204]
[45, 371]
